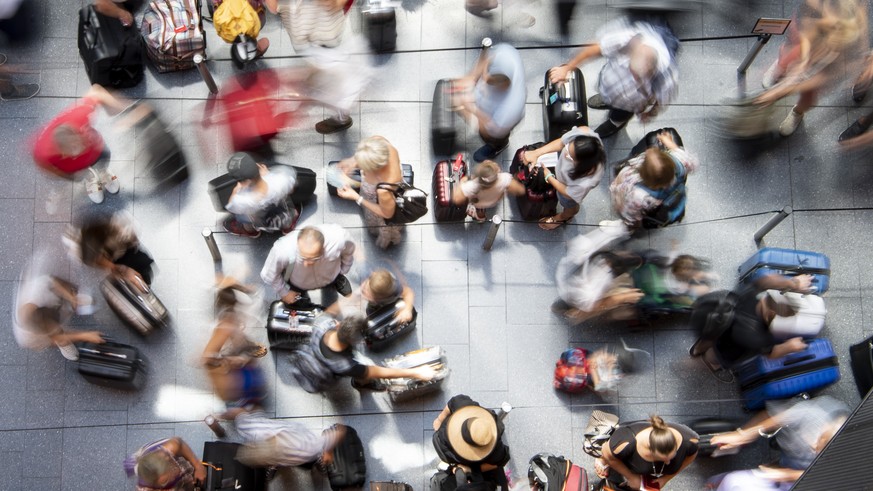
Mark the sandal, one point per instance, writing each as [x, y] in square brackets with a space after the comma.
[549, 223]
[258, 351]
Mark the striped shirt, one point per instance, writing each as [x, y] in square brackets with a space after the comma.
[312, 22]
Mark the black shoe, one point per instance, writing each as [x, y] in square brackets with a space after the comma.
[608, 128]
[856, 129]
[488, 152]
[270, 473]
[332, 125]
[374, 385]
[596, 102]
[20, 92]
[342, 285]
[859, 90]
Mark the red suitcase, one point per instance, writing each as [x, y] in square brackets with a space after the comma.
[250, 112]
[446, 176]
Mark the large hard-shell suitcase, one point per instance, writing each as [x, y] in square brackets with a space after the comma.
[791, 262]
[173, 33]
[225, 473]
[380, 22]
[382, 327]
[159, 149]
[564, 105]
[144, 312]
[389, 486]
[446, 175]
[114, 365]
[533, 204]
[707, 428]
[289, 328]
[862, 365]
[762, 379]
[348, 469]
[250, 112]
[404, 389]
[221, 187]
[112, 53]
[443, 120]
[355, 175]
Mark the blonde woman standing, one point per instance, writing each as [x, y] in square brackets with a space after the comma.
[379, 162]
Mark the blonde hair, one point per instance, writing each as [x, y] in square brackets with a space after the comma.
[383, 284]
[372, 153]
[486, 173]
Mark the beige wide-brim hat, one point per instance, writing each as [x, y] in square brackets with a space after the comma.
[472, 432]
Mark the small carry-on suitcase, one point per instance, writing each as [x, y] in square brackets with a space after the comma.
[446, 175]
[225, 473]
[540, 198]
[304, 190]
[382, 327]
[173, 34]
[762, 379]
[547, 472]
[389, 486]
[112, 53]
[348, 469]
[404, 389]
[788, 262]
[165, 162]
[380, 22]
[564, 105]
[114, 365]
[144, 312]
[406, 169]
[289, 328]
[443, 120]
[706, 428]
[862, 365]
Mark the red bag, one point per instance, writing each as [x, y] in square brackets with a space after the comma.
[250, 110]
[571, 370]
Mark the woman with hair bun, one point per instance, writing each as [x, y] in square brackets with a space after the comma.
[645, 455]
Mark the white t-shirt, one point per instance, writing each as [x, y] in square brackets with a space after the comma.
[486, 198]
[577, 189]
[248, 202]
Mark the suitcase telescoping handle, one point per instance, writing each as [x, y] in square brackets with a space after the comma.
[798, 358]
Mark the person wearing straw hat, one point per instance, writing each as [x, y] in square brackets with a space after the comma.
[470, 435]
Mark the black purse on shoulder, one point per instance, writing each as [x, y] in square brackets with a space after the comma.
[410, 202]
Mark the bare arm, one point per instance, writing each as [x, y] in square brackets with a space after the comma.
[799, 284]
[560, 73]
[408, 296]
[178, 447]
[458, 196]
[633, 480]
[440, 418]
[515, 188]
[272, 6]
[111, 9]
[423, 373]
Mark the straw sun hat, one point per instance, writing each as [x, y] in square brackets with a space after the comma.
[472, 432]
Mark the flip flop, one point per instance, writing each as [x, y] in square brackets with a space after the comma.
[549, 223]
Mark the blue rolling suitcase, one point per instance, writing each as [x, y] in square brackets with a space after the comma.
[762, 379]
[788, 262]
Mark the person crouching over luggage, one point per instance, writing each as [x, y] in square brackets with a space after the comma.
[493, 94]
[337, 353]
[110, 243]
[471, 436]
[485, 189]
[383, 288]
[69, 147]
[165, 464]
[579, 170]
[239, 22]
[801, 428]
[259, 199]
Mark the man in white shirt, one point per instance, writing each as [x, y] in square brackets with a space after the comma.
[314, 257]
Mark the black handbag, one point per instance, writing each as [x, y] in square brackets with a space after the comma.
[410, 202]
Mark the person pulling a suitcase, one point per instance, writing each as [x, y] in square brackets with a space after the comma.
[579, 170]
[801, 428]
[165, 464]
[258, 202]
[470, 436]
[314, 257]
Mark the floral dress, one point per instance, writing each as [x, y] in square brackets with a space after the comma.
[386, 235]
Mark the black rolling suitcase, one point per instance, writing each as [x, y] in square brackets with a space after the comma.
[112, 53]
[164, 159]
[564, 105]
[289, 328]
[539, 199]
[382, 327]
[114, 365]
[446, 175]
[225, 473]
[304, 190]
[380, 22]
[405, 389]
[709, 427]
[144, 312]
[406, 169]
[443, 121]
[348, 469]
[861, 355]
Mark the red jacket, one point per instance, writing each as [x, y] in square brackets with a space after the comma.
[46, 153]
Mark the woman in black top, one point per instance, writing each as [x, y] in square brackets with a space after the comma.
[648, 452]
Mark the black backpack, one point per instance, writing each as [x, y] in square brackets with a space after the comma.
[348, 469]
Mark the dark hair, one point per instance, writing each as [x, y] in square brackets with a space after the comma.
[661, 439]
[95, 235]
[351, 329]
[658, 169]
[686, 261]
[588, 154]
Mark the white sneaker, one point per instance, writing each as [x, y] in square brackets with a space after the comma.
[69, 352]
[791, 122]
[110, 182]
[607, 224]
[94, 190]
[769, 79]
